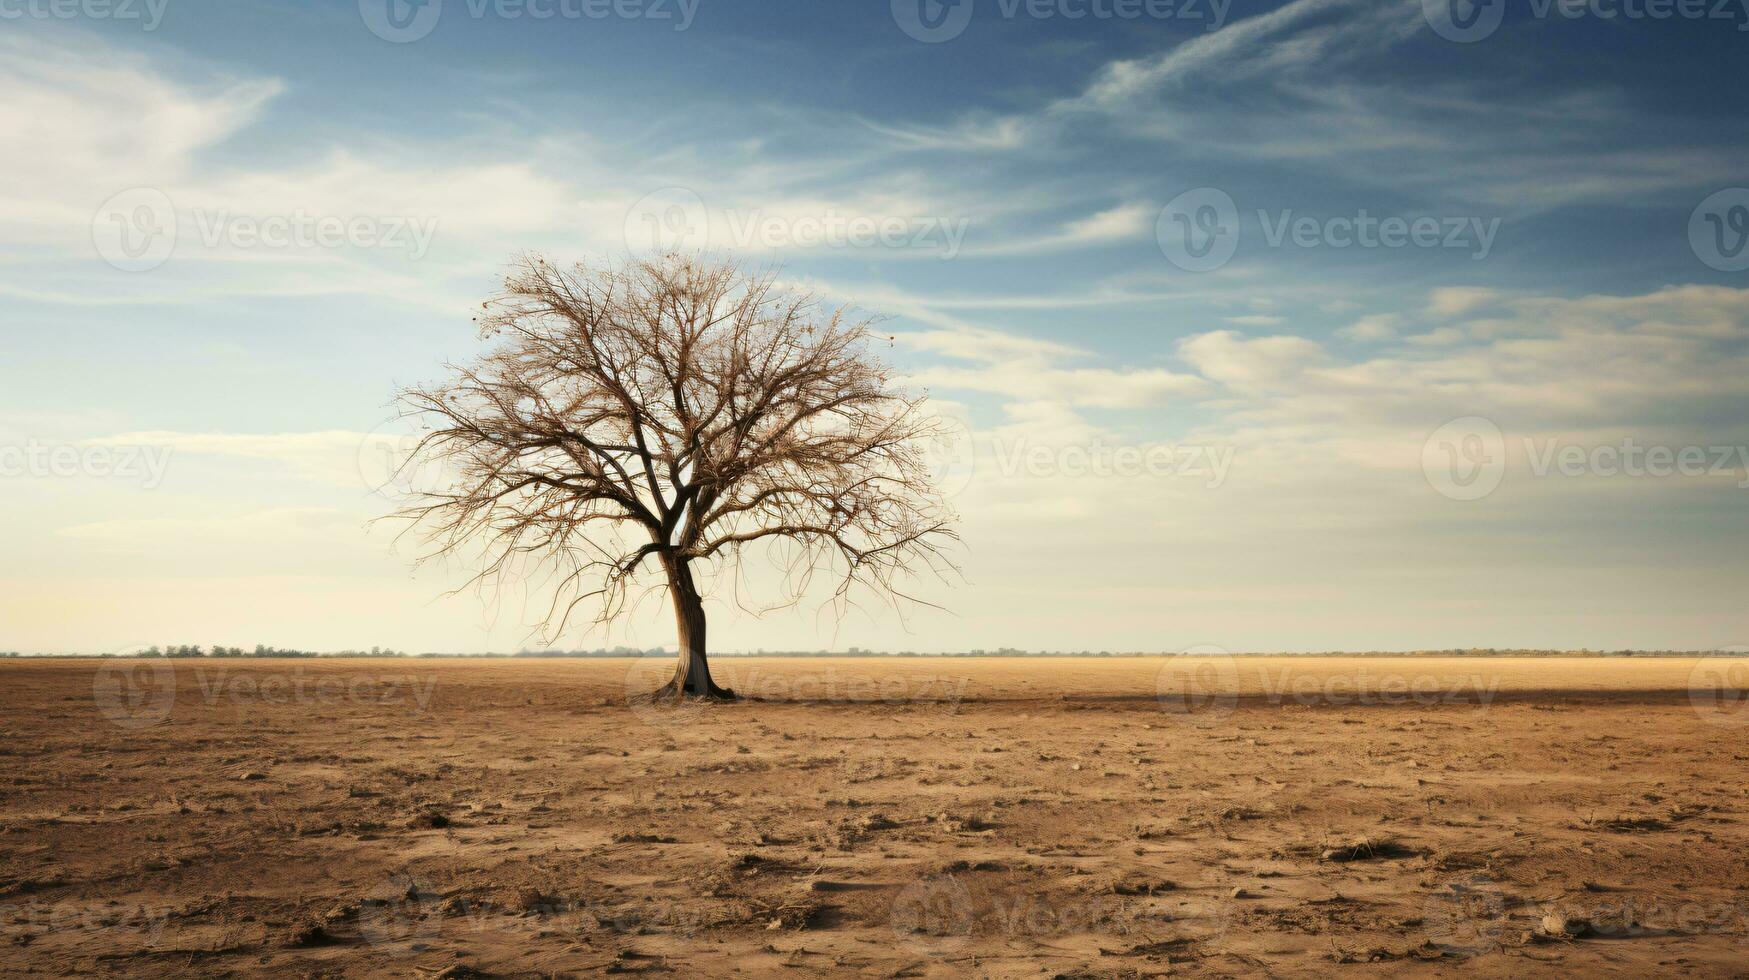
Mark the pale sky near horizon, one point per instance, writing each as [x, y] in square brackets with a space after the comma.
[1528, 428]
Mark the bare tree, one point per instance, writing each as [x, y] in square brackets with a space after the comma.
[667, 414]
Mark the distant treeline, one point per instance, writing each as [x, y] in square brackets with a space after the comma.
[186, 650]
[190, 651]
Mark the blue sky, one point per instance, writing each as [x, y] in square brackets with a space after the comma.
[1028, 176]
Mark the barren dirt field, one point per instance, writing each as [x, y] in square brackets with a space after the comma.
[887, 818]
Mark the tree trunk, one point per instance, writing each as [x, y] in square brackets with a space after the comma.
[692, 676]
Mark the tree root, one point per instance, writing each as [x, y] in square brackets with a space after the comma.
[671, 693]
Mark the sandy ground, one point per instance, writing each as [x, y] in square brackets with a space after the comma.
[916, 818]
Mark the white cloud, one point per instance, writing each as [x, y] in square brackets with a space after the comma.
[1671, 357]
[335, 457]
[1125, 221]
[970, 135]
[1241, 362]
[1231, 50]
[1458, 300]
[1377, 326]
[87, 120]
[244, 534]
[989, 346]
[84, 121]
[1439, 337]
[1298, 85]
[1025, 370]
[1080, 387]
